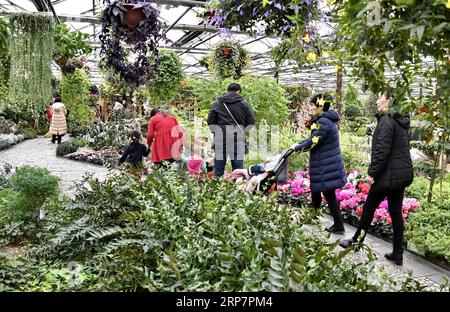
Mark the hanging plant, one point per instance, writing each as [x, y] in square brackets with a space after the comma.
[4, 61]
[228, 60]
[69, 45]
[4, 34]
[130, 33]
[167, 78]
[31, 50]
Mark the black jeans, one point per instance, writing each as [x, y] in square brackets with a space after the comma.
[237, 159]
[333, 204]
[395, 202]
[56, 137]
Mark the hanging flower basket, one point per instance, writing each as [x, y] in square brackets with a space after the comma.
[130, 28]
[132, 17]
[226, 51]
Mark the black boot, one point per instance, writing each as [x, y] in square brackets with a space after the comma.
[59, 139]
[53, 138]
[335, 229]
[346, 243]
[397, 259]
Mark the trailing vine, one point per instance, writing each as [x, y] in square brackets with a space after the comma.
[4, 61]
[226, 63]
[31, 50]
[120, 43]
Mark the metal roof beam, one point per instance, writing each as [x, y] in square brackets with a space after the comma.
[95, 20]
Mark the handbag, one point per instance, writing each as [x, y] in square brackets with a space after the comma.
[243, 133]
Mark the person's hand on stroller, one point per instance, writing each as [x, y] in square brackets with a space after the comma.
[238, 173]
[293, 147]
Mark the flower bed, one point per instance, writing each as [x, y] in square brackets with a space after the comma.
[352, 197]
[8, 140]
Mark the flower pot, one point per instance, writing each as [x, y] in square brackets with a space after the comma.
[226, 51]
[133, 17]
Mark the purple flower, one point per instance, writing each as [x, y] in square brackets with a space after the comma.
[295, 7]
[255, 10]
[279, 6]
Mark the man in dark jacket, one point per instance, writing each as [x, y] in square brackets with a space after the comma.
[326, 166]
[229, 119]
[391, 171]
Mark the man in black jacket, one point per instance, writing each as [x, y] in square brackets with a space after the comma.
[391, 171]
[229, 119]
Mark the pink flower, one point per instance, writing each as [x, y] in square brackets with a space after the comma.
[359, 211]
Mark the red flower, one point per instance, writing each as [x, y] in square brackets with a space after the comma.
[389, 220]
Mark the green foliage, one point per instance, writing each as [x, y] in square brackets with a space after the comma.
[353, 149]
[56, 86]
[297, 96]
[171, 233]
[75, 95]
[65, 148]
[20, 204]
[30, 75]
[113, 134]
[231, 66]
[4, 61]
[29, 133]
[113, 85]
[266, 97]
[390, 36]
[69, 44]
[4, 35]
[69, 147]
[167, 78]
[429, 228]
[35, 183]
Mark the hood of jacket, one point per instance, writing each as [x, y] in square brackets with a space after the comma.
[403, 121]
[231, 98]
[331, 115]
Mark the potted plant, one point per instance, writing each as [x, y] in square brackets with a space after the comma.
[130, 28]
[133, 16]
[228, 59]
[226, 51]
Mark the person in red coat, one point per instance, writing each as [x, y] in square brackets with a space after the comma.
[165, 137]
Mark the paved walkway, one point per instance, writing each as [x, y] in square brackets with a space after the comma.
[41, 152]
[426, 272]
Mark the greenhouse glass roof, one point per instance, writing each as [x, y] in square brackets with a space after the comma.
[185, 28]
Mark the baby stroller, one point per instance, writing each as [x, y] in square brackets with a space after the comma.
[266, 179]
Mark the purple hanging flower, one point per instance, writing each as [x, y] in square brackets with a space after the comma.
[295, 8]
[279, 6]
[255, 10]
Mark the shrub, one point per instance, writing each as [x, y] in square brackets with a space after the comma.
[29, 133]
[266, 97]
[67, 147]
[429, 228]
[20, 204]
[36, 184]
[8, 140]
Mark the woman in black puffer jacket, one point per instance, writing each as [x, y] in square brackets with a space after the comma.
[391, 172]
[326, 166]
